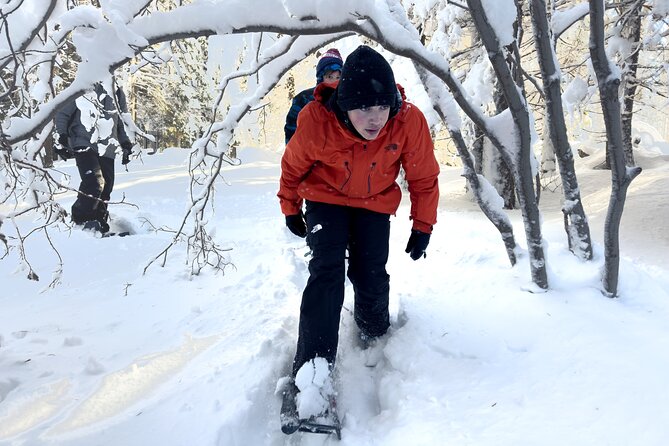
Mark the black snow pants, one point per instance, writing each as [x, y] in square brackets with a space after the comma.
[97, 180]
[331, 230]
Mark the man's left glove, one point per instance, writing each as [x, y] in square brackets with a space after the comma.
[63, 141]
[417, 244]
[296, 224]
[63, 153]
[126, 148]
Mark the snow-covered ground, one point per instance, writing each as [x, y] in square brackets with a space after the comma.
[114, 357]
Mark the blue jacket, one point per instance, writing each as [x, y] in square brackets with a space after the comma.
[299, 101]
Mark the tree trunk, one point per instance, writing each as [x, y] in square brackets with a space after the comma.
[576, 222]
[521, 158]
[621, 177]
[502, 176]
[632, 31]
[477, 150]
[49, 154]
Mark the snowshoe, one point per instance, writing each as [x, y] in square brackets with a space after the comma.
[116, 234]
[101, 229]
[325, 422]
[290, 420]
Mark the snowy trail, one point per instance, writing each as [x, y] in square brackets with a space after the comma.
[472, 358]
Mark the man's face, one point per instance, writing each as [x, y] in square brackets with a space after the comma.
[369, 121]
[331, 77]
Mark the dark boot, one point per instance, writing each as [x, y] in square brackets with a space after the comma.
[367, 341]
[104, 226]
[93, 226]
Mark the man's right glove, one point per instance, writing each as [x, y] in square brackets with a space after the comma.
[64, 150]
[296, 224]
[417, 244]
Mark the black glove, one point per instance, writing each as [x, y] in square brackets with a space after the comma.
[126, 148]
[417, 244]
[64, 154]
[63, 151]
[63, 141]
[296, 224]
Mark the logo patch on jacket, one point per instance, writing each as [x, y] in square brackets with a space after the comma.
[391, 147]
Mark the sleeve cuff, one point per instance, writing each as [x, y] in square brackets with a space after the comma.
[422, 227]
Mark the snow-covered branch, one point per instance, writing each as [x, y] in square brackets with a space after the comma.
[91, 42]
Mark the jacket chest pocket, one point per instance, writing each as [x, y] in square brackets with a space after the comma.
[379, 172]
[389, 156]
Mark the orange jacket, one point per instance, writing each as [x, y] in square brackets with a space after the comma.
[325, 162]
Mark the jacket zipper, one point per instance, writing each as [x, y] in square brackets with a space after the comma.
[348, 169]
[369, 178]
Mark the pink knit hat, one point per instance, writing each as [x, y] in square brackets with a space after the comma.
[330, 61]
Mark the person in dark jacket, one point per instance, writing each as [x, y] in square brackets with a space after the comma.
[328, 70]
[91, 129]
[343, 161]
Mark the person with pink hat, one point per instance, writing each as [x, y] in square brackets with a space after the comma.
[328, 70]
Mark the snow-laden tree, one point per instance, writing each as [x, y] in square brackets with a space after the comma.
[616, 71]
[549, 23]
[170, 91]
[489, 93]
[575, 220]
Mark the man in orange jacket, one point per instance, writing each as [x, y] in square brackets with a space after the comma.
[343, 162]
